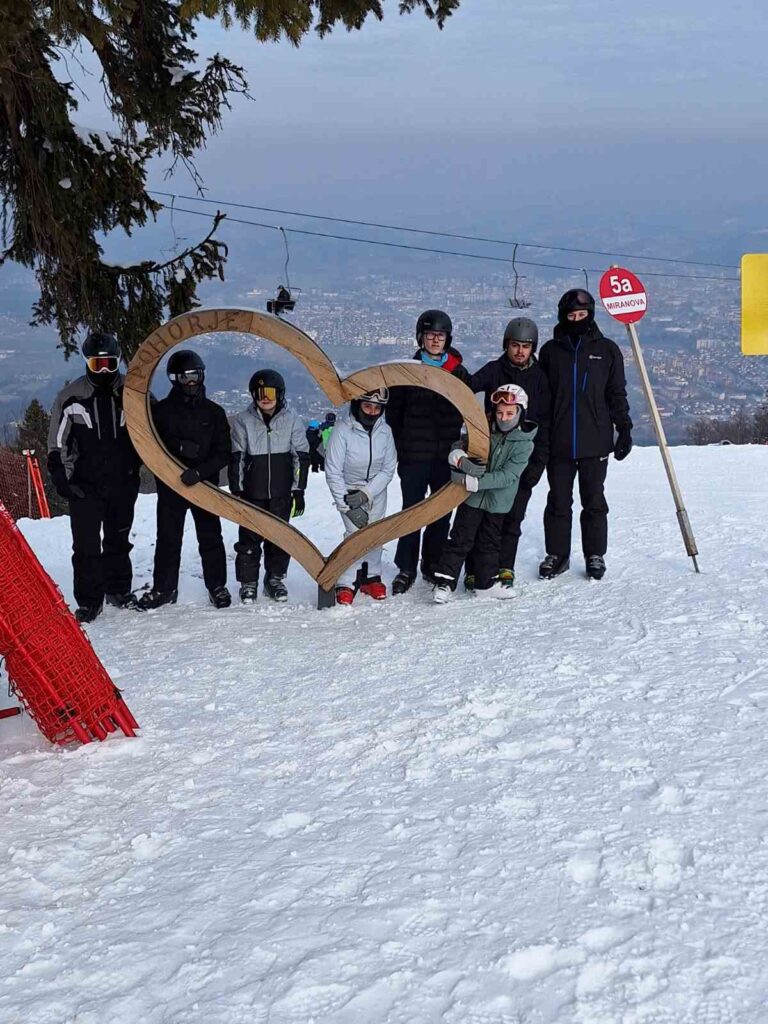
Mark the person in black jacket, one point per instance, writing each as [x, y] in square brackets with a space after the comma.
[194, 430]
[518, 365]
[425, 425]
[95, 467]
[589, 399]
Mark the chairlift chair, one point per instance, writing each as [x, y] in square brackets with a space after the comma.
[516, 302]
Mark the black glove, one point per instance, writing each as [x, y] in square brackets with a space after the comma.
[298, 505]
[356, 499]
[190, 477]
[60, 479]
[358, 516]
[531, 475]
[623, 445]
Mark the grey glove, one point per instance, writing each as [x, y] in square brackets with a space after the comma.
[472, 467]
[358, 516]
[356, 499]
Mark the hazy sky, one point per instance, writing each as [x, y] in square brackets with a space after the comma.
[518, 112]
[551, 120]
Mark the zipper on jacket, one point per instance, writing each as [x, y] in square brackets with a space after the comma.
[269, 459]
[370, 454]
[114, 420]
[96, 416]
[575, 389]
[584, 381]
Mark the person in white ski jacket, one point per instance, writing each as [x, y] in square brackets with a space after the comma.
[360, 462]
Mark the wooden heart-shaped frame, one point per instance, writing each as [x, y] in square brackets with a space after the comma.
[326, 571]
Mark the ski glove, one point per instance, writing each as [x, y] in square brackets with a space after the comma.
[471, 483]
[190, 477]
[355, 499]
[357, 516]
[60, 479]
[623, 445]
[299, 504]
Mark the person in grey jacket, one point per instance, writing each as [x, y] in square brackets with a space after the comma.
[480, 520]
[269, 468]
[360, 462]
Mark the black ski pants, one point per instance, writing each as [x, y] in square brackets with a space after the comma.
[101, 550]
[561, 474]
[249, 544]
[416, 478]
[172, 510]
[477, 531]
[510, 532]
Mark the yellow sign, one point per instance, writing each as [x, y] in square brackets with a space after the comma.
[754, 304]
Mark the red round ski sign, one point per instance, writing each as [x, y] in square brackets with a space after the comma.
[623, 295]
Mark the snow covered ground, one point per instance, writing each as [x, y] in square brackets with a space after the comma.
[545, 810]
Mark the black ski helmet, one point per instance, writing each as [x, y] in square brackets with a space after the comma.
[573, 300]
[268, 379]
[101, 345]
[434, 320]
[184, 361]
[521, 328]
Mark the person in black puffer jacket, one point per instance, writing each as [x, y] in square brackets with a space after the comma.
[425, 426]
[95, 467]
[195, 430]
[589, 399]
[518, 365]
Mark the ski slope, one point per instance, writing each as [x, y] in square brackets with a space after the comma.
[548, 809]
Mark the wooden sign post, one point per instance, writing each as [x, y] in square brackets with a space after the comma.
[325, 570]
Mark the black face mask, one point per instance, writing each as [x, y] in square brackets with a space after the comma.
[364, 418]
[577, 328]
[189, 392]
[102, 381]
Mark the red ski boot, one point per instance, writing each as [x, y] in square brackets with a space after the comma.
[374, 588]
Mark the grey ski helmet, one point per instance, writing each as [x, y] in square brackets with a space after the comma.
[521, 328]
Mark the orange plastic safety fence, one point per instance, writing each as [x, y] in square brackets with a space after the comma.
[52, 668]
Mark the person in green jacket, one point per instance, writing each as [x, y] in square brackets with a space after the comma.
[479, 521]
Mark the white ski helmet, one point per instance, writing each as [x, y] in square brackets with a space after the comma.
[510, 394]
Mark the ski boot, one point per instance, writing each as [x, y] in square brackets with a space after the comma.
[157, 598]
[122, 601]
[249, 593]
[88, 612]
[275, 588]
[374, 588]
[442, 592]
[469, 583]
[554, 565]
[220, 597]
[506, 578]
[345, 595]
[595, 567]
[402, 582]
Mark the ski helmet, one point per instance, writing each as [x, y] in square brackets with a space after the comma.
[521, 329]
[330, 417]
[434, 320]
[510, 394]
[101, 352]
[268, 384]
[186, 371]
[379, 396]
[573, 300]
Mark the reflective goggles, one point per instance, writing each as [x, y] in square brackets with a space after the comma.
[266, 393]
[503, 398]
[187, 377]
[102, 364]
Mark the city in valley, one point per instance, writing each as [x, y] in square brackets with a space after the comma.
[690, 339]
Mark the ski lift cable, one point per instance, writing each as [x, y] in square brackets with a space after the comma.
[441, 252]
[445, 234]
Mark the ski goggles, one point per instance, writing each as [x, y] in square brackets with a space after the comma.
[266, 393]
[379, 396]
[187, 377]
[102, 364]
[503, 398]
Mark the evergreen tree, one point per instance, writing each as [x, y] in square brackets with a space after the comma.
[63, 185]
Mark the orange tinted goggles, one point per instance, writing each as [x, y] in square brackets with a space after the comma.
[102, 364]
